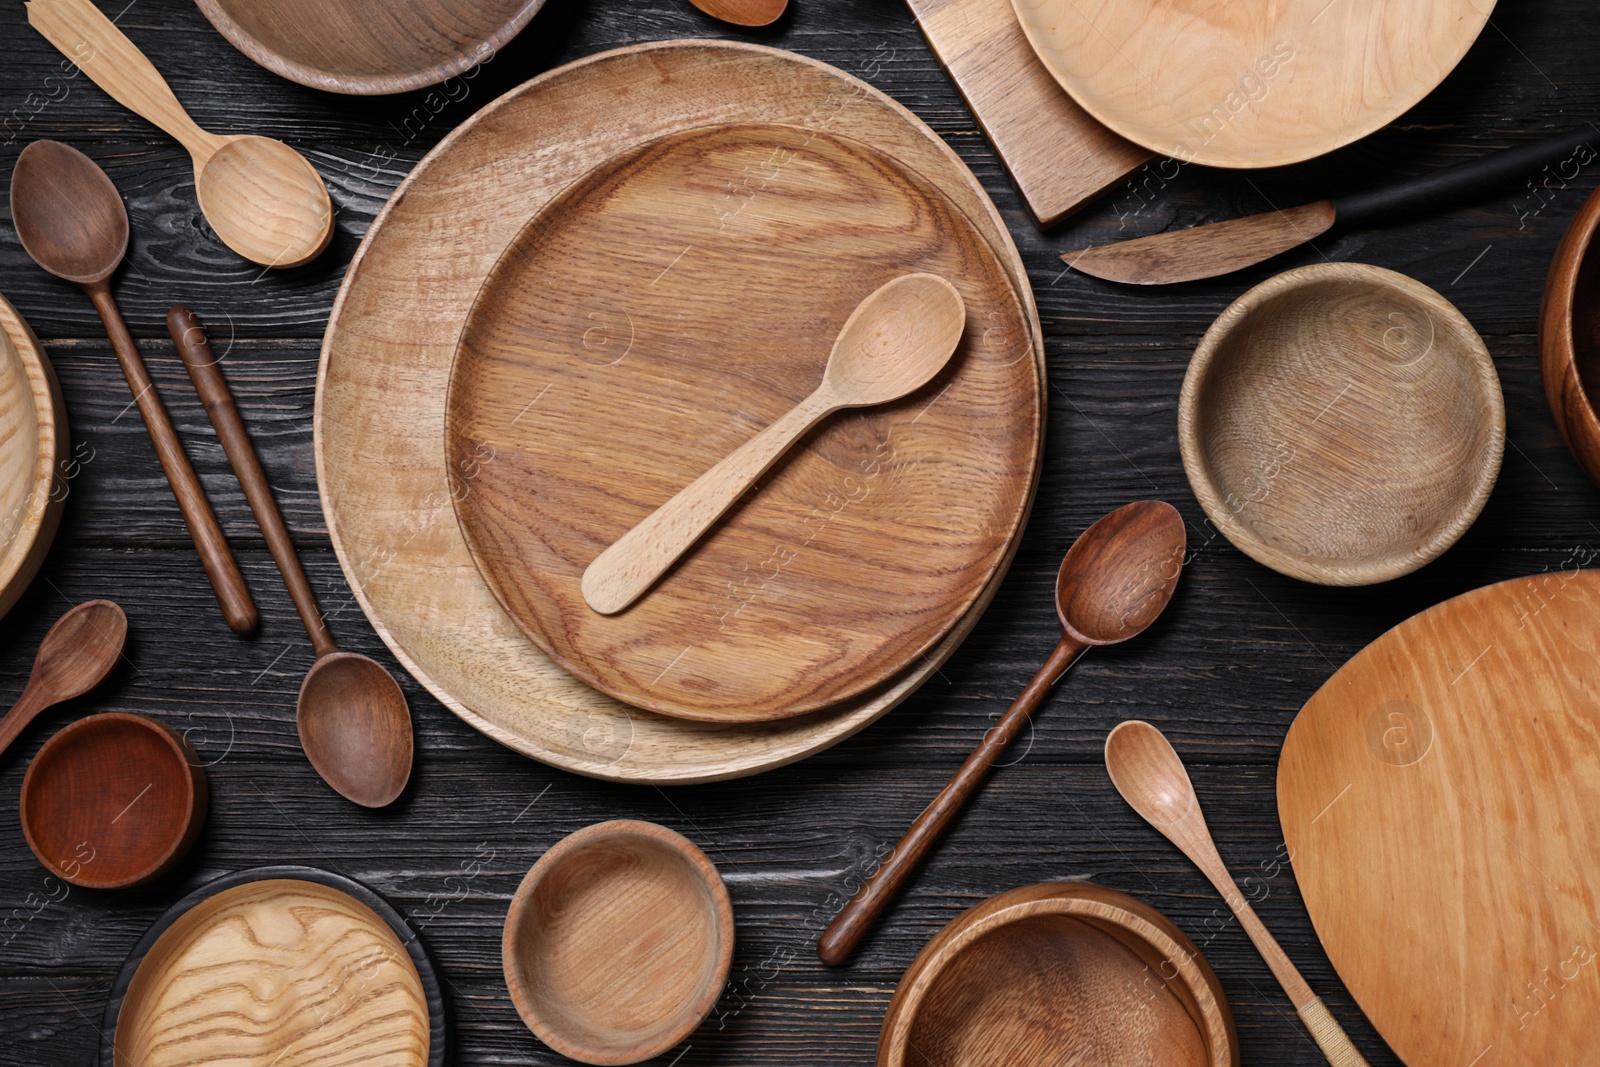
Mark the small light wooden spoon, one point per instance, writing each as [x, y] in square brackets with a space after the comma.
[74, 657]
[264, 199]
[894, 342]
[744, 12]
[1151, 778]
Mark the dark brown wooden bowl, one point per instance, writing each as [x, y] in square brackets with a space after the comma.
[1569, 338]
[1063, 972]
[113, 801]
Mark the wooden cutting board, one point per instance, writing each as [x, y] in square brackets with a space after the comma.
[1440, 797]
[1059, 156]
[652, 319]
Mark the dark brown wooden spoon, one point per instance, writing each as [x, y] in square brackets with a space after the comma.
[744, 12]
[1115, 581]
[355, 726]
[74, 657]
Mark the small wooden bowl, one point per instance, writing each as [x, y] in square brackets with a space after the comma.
[33, 438]
[113, 801]
[618, 942]
[1342, 424]
[1569, 338]
[1050, 973]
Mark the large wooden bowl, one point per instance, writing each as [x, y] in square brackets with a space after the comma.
[1342, 424]
[33, 438]
[1059, 973]
[1569, 338]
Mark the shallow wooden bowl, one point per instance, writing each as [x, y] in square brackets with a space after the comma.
[1569, 338]
[1064, 972]
[618, 942]
[113, 800]
[1342, 424]
[33, 438]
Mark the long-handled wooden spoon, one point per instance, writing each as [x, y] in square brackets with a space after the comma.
[264, 199]
[744, 12]
[1114, 582]
[1151, 778]
[74, 657]
[355, 726]
[72, 222]
[894, 342]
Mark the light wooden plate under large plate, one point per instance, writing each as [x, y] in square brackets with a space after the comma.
[33, 439]
[734, 255]
[1249, 84]
[386, 361]
[1440, 797]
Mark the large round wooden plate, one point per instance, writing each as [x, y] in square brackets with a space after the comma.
[33, 439]
[386, 362]
[1249, 84]
[729, 259]
[1440, 797]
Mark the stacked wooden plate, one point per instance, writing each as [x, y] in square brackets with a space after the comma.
[33, 439]
[643, 258]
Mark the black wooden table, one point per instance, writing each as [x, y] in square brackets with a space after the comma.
[1224, 672]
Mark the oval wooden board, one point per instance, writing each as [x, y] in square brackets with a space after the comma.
[1249, 84]
[386, 360]
[1440, 797]
[651, 319]
[33, 438]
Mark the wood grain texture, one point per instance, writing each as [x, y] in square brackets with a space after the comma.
[1199, 252]
[1569, 338]
[863, 548]
[33, 438]
[1437, 794]
[1342, 424]
[1247, 86]
[744, 12]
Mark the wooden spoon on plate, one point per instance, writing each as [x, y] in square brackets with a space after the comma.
[74, 657]
[744, 12]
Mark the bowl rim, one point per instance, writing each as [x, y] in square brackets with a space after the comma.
[1196, 465]
[1571, 406]
[21, 558]
[518, 917]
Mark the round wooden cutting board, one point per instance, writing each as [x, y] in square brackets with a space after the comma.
[1440, 797]
[386, 360]
[654, 317]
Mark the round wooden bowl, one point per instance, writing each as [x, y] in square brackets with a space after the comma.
[1063, 972]
[1342, 424]
[33, 438]
[1569, 338]
[618, 942]
[113, 801]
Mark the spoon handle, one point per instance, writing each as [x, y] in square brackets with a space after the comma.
[622, 573]
[26, 709]
[842, 936]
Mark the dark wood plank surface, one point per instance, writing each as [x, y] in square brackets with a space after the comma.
[1241, 649]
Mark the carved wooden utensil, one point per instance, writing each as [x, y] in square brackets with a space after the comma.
[74, 657]
[263, 198]
[744, 12]
[1115, 581]
[1151, 778]
[354, 723]
[71, 220]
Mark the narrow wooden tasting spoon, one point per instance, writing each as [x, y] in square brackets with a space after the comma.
[1150, 776]
[1114, 582]
[74, 657]
[264, 199]
[744, 12]
[355, 726]
[894, 342]
[71, 220]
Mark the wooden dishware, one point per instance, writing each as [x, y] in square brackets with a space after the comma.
[366, 48]
[1115, 581]
[71, 220]
[355, 725]
[263, 199]
[1249, 85]
[1569, 338]
[1059, 973]
[386, 361]
[618, 942]
[1152, 779]
[33, 439]
[744, 12]
[1342, 424]
[892, 344]
[113, 800]
[1059, 156]
[859, 552]
[275, 966]
[74, 657]
[1440, 797]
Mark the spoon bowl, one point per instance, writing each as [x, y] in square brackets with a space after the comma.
[265, 201]
[744, 12]
[1119, 576]
[82, 245]
[74, 657]
[895, 341]
[355, 727]
[1148, 773]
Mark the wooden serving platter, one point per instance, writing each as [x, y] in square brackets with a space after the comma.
[386, 360]
[1440, 797]
[33, 439]
[734, 255]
